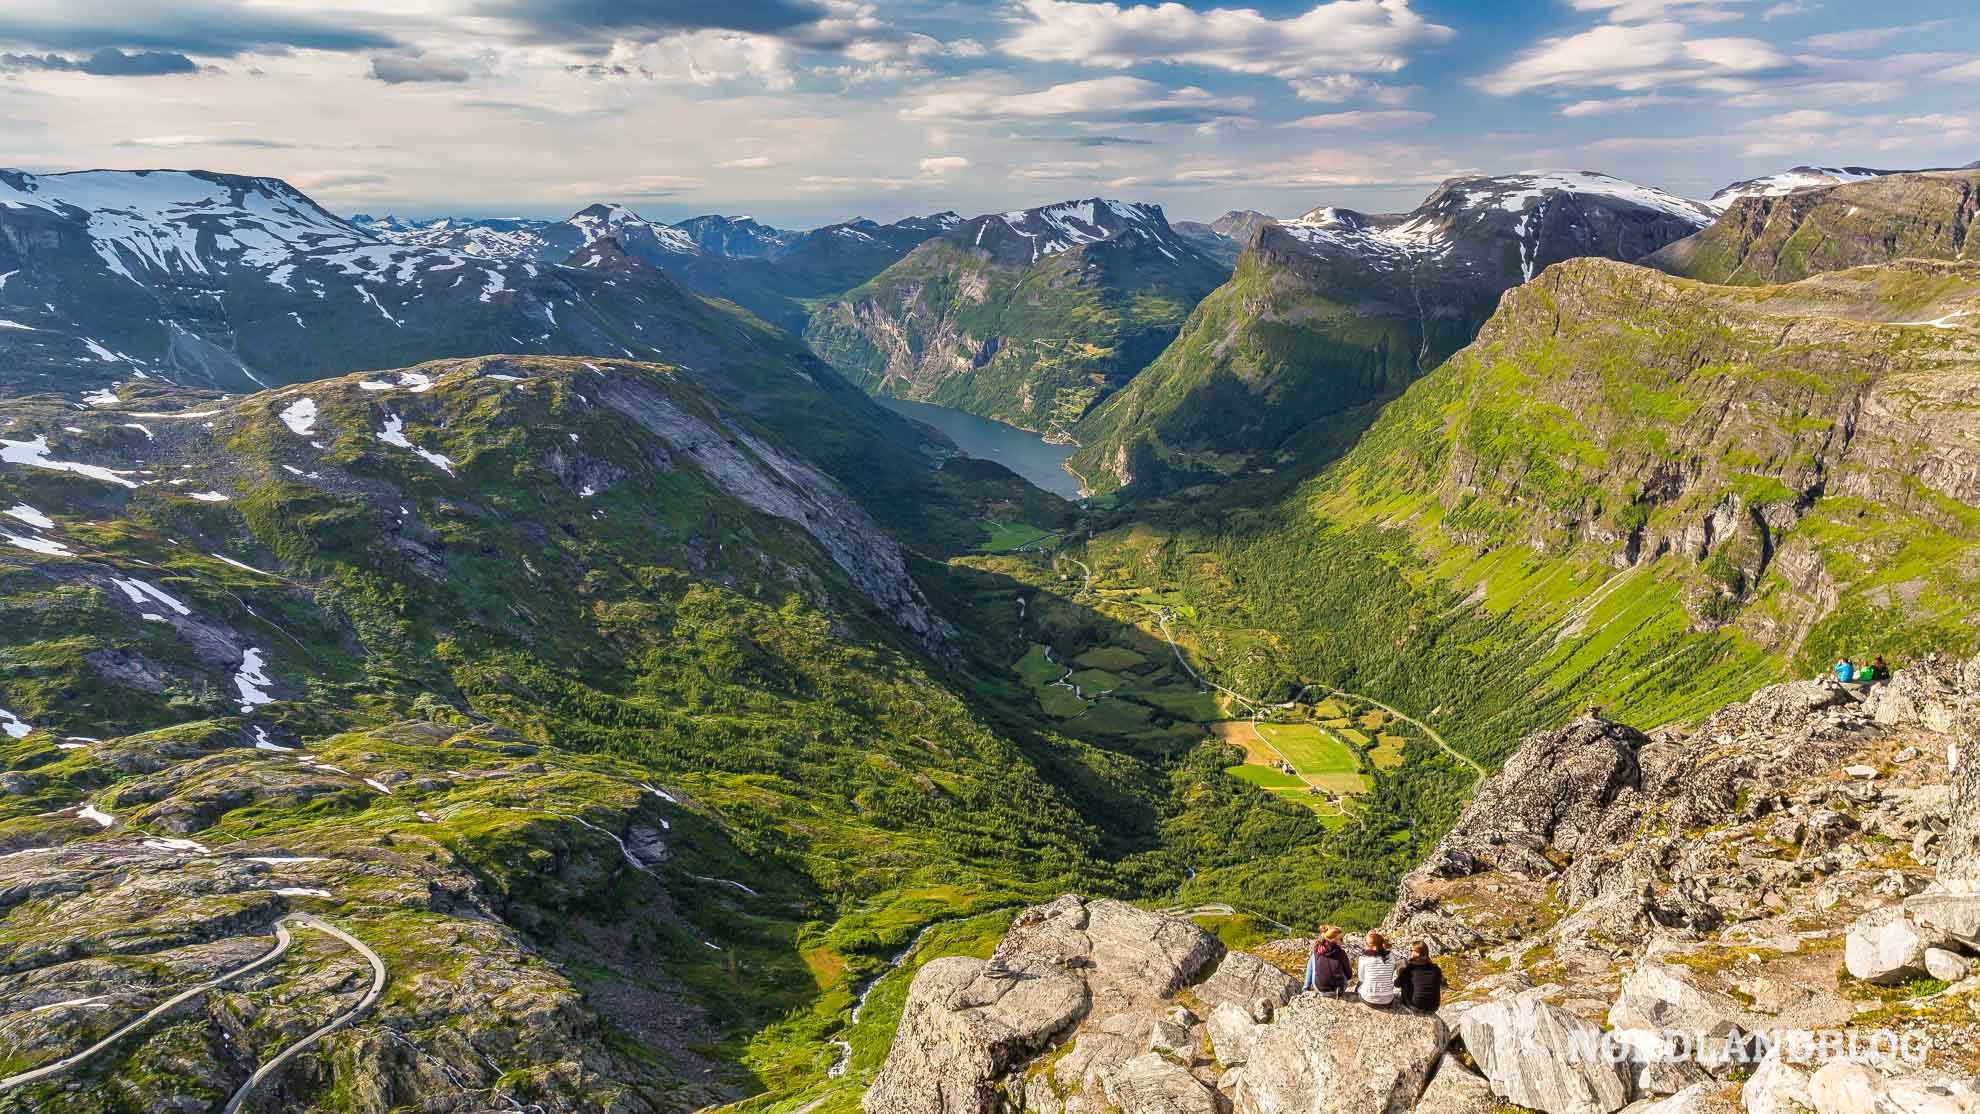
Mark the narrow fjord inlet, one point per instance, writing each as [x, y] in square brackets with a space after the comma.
[487, 626]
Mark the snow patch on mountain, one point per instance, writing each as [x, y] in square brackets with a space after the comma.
[1790, 180]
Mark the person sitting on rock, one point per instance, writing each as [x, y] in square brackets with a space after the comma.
[1845, 671]
[1327, 965]
[1878, 671]
[1376, 971]
[1421, 982]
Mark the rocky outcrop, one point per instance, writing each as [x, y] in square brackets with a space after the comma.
[1456, 1089]
[777, 483]
[965, 1024]
[1332, 1056]
[1539, 1055]
[1761, 240]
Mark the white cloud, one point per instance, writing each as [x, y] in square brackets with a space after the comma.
[1866, 38]
[699, 58]
[1968, 72]
[1803, 132]
[1351, 36]
[1637, 11]
[1058, 171]
[1100, 100]
[1613, 105]
[1340, 88]
[1787, 8]
[1362, 121]
[1634, 57]
[752, 162]
[639, 185]
[941, 165]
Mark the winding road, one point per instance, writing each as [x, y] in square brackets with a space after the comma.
[282, 941]
[371, 996]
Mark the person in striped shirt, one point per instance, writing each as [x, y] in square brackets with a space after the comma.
[1375, 971]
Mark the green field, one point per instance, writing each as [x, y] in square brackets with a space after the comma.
[1388, 752]
[1006, 536]
[1265, 777]
[1324, 759]
[1096, 681]
[1111, 658]
[1035, 669]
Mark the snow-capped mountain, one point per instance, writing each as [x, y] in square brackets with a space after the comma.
[488, 237]
[1336, 309]
[513, 238]
[1529, 220]
[1028, 316]
[1022, 237]
[1787, 181]
[738, 237]
[231, 281]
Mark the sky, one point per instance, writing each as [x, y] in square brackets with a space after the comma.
[802, 112]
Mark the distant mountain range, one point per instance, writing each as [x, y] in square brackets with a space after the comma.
[1030, 316]
[1336, 309]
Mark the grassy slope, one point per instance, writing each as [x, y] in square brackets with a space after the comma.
[656, 622]
[1465, 560]
[1278, 366]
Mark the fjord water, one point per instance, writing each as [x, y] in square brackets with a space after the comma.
[1020, 450]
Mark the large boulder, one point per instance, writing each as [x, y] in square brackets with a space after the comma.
[1456, 1089]
[1885, 947]
[1233, 1034]
[1776, 1087]
[1658, 996]
[965, 1024]
[1539, 1055]
[1334, 1056]
[1959, 860]
[1949, 917]
[1551, 794]
[1243, 979]
[1153, 1084]
[1143, 954]
[1699, 1098]
[1847, 1087]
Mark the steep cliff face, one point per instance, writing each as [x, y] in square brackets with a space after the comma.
[1339, 309]
[1028, 317]
[1737, 441]
[1765, 239]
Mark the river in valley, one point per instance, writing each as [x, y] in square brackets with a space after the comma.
[1022, 451]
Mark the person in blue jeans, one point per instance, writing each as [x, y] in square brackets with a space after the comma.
[1327, 965]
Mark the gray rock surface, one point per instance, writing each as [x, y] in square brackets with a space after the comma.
[1535, 1054]
[1330, 1056]
[1886, 947]
[1245, 980]
[1456, 1089]
[965, 1024]
[1154, 1084]
[1232, 1034]
[1847, 1087]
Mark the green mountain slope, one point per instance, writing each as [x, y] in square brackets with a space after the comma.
[1337, 310]
[1762, 240]
[1635, 489]
[1642, 492]
[1029, 318]
[626, 734]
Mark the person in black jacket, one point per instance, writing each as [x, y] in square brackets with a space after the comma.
[1420, 983]
[1327, 967]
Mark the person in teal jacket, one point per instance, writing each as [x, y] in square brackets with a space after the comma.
[1845, 671]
